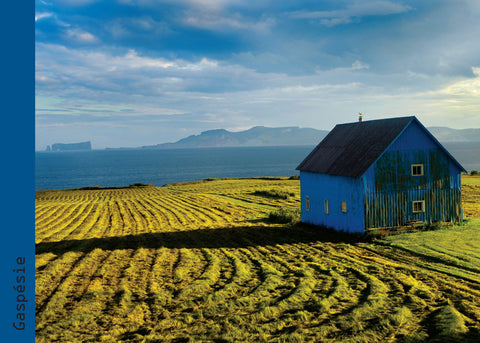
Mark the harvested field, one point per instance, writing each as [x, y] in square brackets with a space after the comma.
[201, 262]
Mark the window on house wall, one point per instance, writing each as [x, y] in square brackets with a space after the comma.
[307, 203]
[417, 170]
[418, 206]
[344, 207]
[326, 206]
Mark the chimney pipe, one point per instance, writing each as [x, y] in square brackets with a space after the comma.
[360, 117]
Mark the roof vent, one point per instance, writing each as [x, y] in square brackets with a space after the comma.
[360, 117]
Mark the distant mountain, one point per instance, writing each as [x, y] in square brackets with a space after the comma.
[271, 136]
[445, 134]
[70, 146]
[256, 136]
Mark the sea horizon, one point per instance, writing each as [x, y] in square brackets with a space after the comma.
[122, 167]
[119, 167]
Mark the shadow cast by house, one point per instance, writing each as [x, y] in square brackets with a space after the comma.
[228, 237]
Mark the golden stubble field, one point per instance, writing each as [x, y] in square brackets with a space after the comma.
[201, 262]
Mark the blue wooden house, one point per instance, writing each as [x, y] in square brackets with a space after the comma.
[379, 173]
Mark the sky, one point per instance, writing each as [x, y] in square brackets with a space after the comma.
[127, 73]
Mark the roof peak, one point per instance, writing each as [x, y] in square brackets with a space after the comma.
[351, 148]
[406, 118]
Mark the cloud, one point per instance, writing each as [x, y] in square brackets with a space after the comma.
[212, 5]
[354, 9]
[44, 79]
[70, 61]
[131, 27]
[132, 85]
[78, 3]
[214, 21]
[467, 88]
[134, 81]
[132, 60]
[43, 15]
[67, 71]
[81, 36]
[216, 15]
[358, 65]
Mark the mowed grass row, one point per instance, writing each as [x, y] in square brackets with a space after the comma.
[201, 262]
[118, 215]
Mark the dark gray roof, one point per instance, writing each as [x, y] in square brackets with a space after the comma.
[350, 149]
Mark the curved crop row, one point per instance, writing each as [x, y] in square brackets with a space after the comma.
[200, 262]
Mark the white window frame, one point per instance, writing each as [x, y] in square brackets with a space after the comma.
[325, 206]
[344, 207]
[422, 205]
[307, 203]
[422, 169]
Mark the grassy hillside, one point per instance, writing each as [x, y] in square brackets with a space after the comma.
[202, 262]
[471, 196]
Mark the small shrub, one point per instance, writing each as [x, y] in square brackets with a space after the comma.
[134, 185]
[432, 226]
[273, 194]
[284, 215]
[474, 172]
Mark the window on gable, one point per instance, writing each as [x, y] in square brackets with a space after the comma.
[417, 170]
[418, 206]
[307, 203]
[344, 207]
[326, 206]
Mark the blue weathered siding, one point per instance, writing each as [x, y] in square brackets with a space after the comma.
[335, 189]
[383, 196]
[391, 189]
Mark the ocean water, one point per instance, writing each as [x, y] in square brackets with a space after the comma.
[108, 168]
